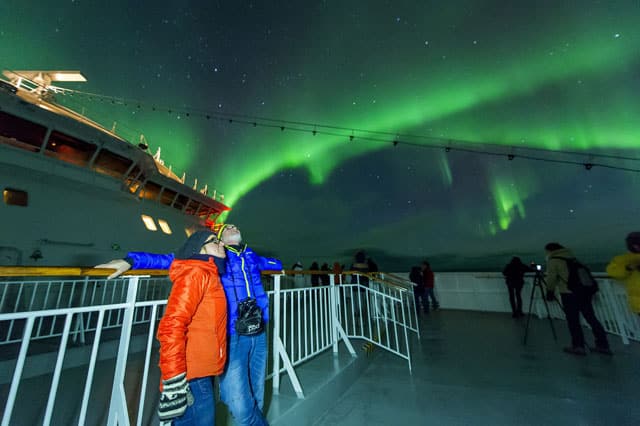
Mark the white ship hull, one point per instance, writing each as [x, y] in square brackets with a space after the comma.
[60, 208]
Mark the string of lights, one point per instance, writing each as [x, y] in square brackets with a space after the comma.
[510, 152]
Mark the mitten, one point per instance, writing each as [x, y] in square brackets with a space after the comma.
[174, 398]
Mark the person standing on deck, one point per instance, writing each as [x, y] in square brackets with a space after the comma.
[626, 268]
[373, 266]
[337, 271]
[324, 278]
[298, 279]
[415, 276]
[574, 303]
[315, 278]
[193, 333]
[429, 287]
[514, 279]
[242, 382]
[360, 265]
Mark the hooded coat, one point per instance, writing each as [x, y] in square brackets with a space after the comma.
[626, 268]
[557, 270]
[242, 280]
[193, 330]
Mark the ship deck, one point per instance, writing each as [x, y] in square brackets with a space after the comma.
[468, 368]
[472, 368]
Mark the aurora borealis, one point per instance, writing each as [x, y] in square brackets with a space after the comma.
[558, 81]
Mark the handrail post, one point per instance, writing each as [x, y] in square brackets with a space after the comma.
[334, 311]
[17, 372]
[118, 413]
[276, 335]
[79, 328]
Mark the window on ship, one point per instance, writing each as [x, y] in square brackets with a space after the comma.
[150, 191]
[134, 179]
[167, 196]
[21, 133]
[15, 197]
[192, 207]
[164, 225]
[111, 164]
[149, 222]
[181, 201]
[69, 149]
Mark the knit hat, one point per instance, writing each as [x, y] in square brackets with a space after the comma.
[218, 228]
[194, 244]
[633, 242]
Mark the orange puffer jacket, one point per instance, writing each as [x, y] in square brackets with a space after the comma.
[193, 330]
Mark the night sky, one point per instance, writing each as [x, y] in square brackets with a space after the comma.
[459, 85]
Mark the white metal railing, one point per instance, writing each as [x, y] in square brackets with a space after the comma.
[486, 291]
[403, 288]
[611, 308]
[305, 323]
[29, 296]
[119, 307]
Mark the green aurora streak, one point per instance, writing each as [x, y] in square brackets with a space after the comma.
[455, 103]
[563, 88]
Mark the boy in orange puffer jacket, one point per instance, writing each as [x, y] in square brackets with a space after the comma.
[193, 332]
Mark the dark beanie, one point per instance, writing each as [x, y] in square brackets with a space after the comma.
[633, 242]
[193, 244]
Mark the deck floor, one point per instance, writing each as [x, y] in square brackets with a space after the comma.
[471, 368]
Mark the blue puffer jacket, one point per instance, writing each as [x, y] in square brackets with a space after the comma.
[241, 278]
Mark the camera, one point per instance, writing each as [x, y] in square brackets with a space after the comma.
[535, 266]
[539, 267]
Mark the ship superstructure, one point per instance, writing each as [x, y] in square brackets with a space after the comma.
[74, 192]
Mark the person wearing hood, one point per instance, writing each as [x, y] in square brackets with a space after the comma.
[193, 332]
[626, 268]
[242, 382]
[574, 304]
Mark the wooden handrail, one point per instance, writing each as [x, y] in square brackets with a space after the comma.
[70, 271]
[81, 271]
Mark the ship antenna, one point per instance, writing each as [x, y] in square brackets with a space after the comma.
[157, 157]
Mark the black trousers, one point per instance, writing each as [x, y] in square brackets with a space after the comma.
[420, 295]
[515, 297]
[576, 304]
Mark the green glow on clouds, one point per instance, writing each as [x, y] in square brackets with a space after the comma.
[444, 97]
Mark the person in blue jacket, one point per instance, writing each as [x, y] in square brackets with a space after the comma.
[242, 382]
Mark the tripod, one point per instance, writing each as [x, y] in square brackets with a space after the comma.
[538, 280]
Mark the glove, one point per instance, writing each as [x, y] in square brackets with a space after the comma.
[120, 265]
[551, 296]
[175, 397]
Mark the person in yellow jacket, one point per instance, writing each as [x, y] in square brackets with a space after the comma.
[626, 268]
